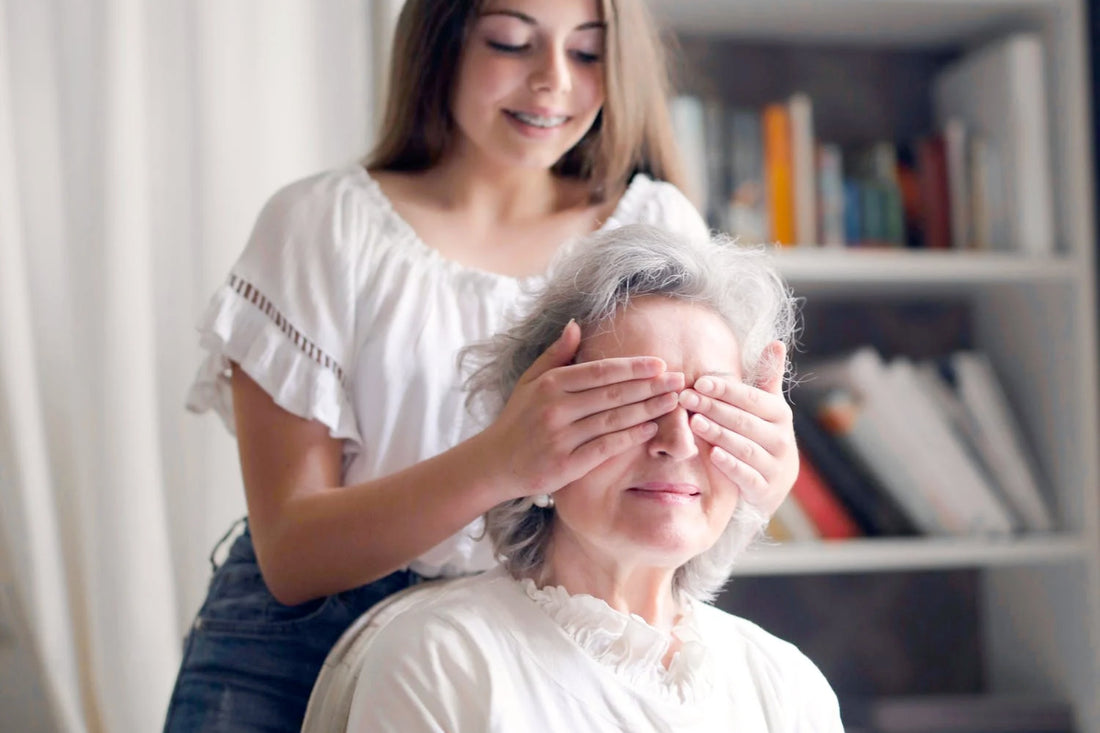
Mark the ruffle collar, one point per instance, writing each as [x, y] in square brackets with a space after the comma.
[630, 647]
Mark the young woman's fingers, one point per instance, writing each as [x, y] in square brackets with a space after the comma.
[602, 372]
[621, 418]
[763, 478]
[558, 354]
[739, 446]
[754, 487]
[769, 432]
[591, 402]
[770, 406]
[596, 451]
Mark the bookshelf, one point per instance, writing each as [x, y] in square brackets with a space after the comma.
[869, 66]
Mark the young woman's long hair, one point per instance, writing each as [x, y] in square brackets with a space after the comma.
[632, 134]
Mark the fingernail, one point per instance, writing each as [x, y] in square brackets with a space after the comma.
[705, 384]
[722, 456]
[566, 328]
[673, 380]
[701, 423]
[689, 399]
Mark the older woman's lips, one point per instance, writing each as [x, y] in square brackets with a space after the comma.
[670, 493]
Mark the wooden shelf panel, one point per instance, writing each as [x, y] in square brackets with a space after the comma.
[894, 23]
[901, 554]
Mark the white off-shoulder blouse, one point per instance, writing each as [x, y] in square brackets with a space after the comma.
[344, 315]
[489, 653]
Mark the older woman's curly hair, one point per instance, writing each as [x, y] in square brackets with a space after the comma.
[590, 283]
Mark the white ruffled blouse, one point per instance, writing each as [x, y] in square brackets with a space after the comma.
[489, 653]
[628, 646]
[342, 313]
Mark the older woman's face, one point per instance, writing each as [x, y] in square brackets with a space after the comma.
[663, 502]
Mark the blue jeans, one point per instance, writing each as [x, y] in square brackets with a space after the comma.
[249, 662]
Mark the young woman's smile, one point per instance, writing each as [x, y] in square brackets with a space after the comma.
[531, 80]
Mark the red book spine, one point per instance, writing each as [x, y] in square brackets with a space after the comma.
[815, 497]
[935, 198]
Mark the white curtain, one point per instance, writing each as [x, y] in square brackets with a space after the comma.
[138, 140]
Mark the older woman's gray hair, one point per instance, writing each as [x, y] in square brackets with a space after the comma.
[590, 283]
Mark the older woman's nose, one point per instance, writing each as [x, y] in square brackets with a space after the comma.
[674, 438]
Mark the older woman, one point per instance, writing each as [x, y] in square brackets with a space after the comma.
[597, 618]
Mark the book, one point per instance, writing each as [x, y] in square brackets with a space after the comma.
[868, 503]
[988, 219]
[715, 208]
[797, 523]
[689, 125]
[934, 191]
[912, 449]
[998, 437]
[830, 195]
[948, 470]
[861, 426]
[804, 183]
[853, 216]
[747, 216]
[999, 91]
[872, 207]
[958, 195]
[778, 173]
[909, 188]
[825, 510]
[777, 531]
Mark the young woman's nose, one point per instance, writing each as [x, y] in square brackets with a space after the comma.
[551, 71]
[674, 438]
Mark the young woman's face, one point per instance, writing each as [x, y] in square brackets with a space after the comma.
[530, 81]
[663, 502]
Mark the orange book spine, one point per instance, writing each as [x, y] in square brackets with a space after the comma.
[825, 510]
[779, 172]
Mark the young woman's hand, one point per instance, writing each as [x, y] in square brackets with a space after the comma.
[751, 431]
[564, 419]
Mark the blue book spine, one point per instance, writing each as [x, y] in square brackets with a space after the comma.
[853, 212]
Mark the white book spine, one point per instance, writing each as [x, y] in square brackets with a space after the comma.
[688, 123]
[998, 432]
[948, 473]
[791, 514]
[1033, 199]
[805, 180]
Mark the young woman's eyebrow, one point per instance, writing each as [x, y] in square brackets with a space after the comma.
[590, 25]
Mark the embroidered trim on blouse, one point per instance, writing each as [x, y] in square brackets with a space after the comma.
[629, 646]
[252, 294]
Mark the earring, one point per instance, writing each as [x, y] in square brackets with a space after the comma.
[543, 501]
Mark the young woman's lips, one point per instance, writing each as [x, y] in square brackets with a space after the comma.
[666, 492]
[536, 124]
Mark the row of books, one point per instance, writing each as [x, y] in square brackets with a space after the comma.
[979, 180]
[897, 447]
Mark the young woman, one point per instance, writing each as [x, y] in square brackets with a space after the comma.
[512, 128]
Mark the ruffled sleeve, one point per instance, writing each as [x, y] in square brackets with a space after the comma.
[286, 313]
